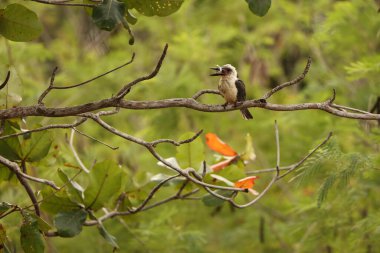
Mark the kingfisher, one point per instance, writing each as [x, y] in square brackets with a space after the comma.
[231, 87]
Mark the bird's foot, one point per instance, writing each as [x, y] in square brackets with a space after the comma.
[238, 103]
[225, 105]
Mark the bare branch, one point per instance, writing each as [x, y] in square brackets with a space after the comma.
[49, 88]
[295, 81]
[263, 171]
[96, 77]
[64, 3]
[152, 192]
[51, 85]
[124, 91]
[186, 173]
[64, 126]
[201, 92]
[16, 169]
[295, 166]
[176, 143]
[92, 138]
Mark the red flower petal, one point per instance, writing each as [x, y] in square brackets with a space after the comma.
[216, 144]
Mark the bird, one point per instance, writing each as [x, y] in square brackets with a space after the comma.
[231, 87]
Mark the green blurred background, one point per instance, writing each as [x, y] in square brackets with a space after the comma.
[331, 205]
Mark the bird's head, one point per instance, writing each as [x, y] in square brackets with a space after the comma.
[225, 71]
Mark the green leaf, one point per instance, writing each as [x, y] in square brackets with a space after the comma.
[105, 183]
[18, 23]
[10, 148]
[75, 191]
[57, 201]
[31, 239]
[108, 14]
[190, 154]
[43, 225]
[210, 200]
[69, 224]
[232, 173]
[130, 18]
[4, 206]
[37, 147]
[259, 7]
[249, 153]
[324, 189]
[109, 238]
[155, 7]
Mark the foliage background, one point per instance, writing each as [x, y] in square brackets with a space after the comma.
[331, 205]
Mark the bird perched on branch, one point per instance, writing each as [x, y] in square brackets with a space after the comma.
[231, 87]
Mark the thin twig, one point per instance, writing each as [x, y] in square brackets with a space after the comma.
[255, 172]
[124, 91]
[176, 143]
[63, 126]
[349, 108]
[79, 161]
[295, 81]
[208, 91]
[96, 77]
[151, 193]
[65, 3]
[49, 88]
[93, 138]
[16, 169]
[295, 166]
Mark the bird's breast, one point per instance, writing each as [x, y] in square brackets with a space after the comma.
[228, 90]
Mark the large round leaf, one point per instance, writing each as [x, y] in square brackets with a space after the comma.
[155, 7]
[18, 23]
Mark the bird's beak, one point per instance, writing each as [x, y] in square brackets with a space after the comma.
[218, 71]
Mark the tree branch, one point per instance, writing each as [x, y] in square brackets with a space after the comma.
[295, 81]
[64, 2]
[16, 169]
[124, 91]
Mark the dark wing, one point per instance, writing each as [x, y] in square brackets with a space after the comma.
[240, 90]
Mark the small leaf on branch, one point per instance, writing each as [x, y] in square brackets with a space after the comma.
[31, 239]
[259, 7]
[109, 238]
[18, 23]
[57, 201]
[216, 144]
[75, 191]
[105, 183]
[37, 146]
[69, 224]
[249, 153]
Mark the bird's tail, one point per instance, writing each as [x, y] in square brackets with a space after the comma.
[246, 113]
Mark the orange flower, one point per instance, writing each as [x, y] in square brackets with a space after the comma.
[246, 183]
[216, 144]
